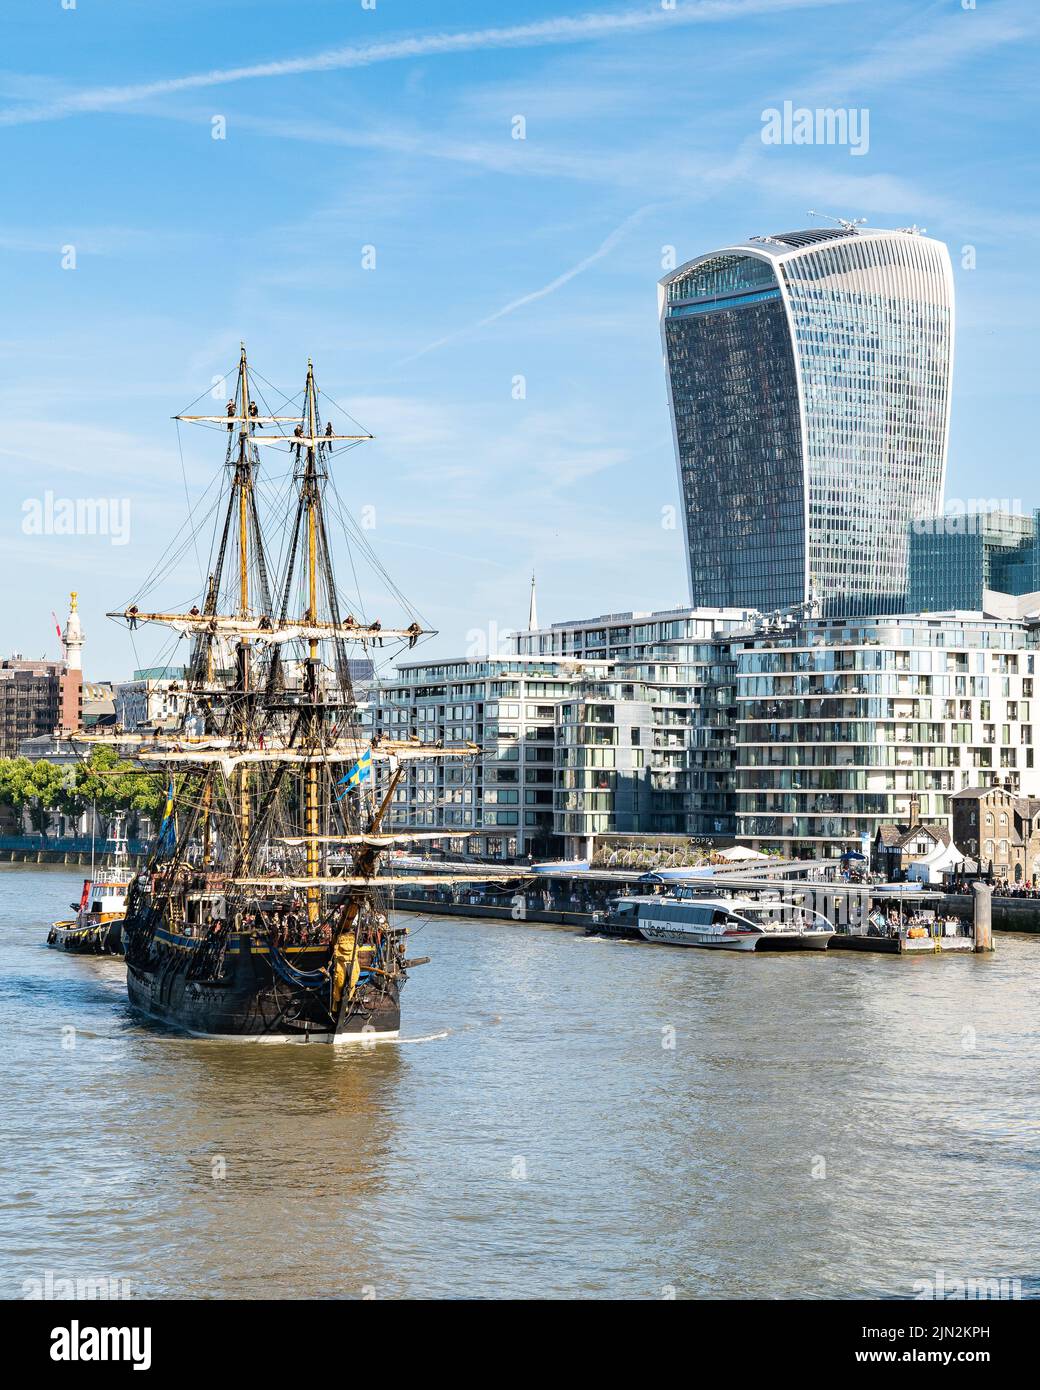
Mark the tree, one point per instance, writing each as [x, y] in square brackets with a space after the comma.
[116, 786]
[36, 787]
[103, 780]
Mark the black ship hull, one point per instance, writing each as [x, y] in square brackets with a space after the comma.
[93, 939]
[614, 930]
[242, 991]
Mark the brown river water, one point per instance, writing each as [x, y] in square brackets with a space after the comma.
[563, 1117]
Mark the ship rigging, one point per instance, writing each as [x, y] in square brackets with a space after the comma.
[244, 923]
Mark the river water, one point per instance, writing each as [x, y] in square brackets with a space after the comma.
[564, 1117]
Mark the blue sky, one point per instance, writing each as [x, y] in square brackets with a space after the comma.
[496, 257]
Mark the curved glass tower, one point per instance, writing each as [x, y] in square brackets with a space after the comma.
[809, 386]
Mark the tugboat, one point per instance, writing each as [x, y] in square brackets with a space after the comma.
[689, 917]
[97, 928]
[246, 922]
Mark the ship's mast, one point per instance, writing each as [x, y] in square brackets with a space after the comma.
[266, 756]
[207, 790]
[310, 488]
[243, 482]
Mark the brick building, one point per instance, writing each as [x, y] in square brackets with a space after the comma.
[999, 830]
[37, 697]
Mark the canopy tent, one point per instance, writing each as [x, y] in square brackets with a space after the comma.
[736, 853]
[938, 861]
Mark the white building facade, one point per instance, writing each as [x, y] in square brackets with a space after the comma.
[497, 804]
[803, 735]
[149, 702]
[839, 726]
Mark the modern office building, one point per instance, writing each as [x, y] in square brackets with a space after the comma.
[842, 727]
[800, 735]
[156, 697]
[99, 707]
[668, 687]
[499, 804]
[957, 559]
[809, 379]
[585, 727]
[680, 634]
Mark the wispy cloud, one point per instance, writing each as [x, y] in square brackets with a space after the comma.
[605, 247]
[81, 459]
[503, 156]
[562, 30]
[958, 36]
[93, 240]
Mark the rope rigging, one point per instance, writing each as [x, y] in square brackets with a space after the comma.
[272, 804]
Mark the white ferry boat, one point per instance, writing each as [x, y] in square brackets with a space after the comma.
[690, 918]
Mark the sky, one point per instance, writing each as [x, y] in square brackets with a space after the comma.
[460, 210]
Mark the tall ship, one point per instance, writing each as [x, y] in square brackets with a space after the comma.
[264, 911]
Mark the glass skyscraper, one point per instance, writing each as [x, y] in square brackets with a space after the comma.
[809, 386]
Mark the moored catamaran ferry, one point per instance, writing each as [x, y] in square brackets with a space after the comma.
[247, 921]
[688, 917]
[97, 928]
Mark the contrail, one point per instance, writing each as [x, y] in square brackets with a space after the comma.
[604, 248]
[565, 29]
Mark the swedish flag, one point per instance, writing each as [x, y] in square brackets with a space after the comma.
[167, 816]
[357, 774]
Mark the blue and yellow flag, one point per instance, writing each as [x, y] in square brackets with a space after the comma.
[167, 816]
[357, 774]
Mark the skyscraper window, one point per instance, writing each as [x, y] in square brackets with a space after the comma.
[809, 384]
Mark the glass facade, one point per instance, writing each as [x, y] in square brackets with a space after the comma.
[839, 726]
[954, 559]
[500, 803]
[798, 735]
[809, 385]
[734, 393]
